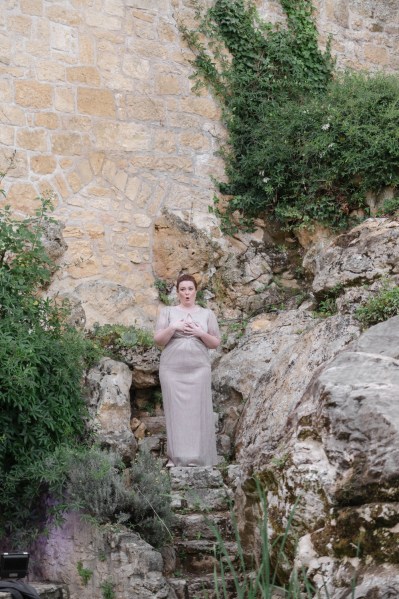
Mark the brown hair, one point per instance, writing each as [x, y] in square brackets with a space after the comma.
[186, 278]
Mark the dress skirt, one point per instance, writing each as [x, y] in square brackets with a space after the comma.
[185, 376]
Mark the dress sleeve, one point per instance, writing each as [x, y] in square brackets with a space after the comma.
[213, 327]
[163, 319]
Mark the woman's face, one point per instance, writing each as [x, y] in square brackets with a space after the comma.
[187, 293]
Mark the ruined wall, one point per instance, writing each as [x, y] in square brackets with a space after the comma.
[96, 100]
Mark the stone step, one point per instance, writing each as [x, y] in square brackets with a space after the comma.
[200, 500]
[45, 590]
[197, 477]
[198, 557]
[199, 526]
[201, 587]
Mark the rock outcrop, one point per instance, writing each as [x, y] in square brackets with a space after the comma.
[108, 386]
[114, 559]
[339, 462]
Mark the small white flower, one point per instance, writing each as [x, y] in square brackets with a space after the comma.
[266, 179]
[325, 127]
[261, 173]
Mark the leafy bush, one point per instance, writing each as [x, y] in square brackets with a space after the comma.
[95, 482]
[382, 306]
[116, 337]
[42, 362]
[302, 146]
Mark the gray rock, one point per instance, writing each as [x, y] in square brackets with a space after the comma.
[108, 386]
[362, 255]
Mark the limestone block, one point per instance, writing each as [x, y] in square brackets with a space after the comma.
[195, 141]
[376, 54]
[98, 102]
[5, 49]
[128, 136]
[139, 240]
[165, 141]
[33, 94]
[65, 16]
[86, 49]
[19, 24]
[13, 115]
[105, 302]
[167, 31]
[145, 109]
[114, 7]
[7, 135]
[84, 171]
[74, 182]
[22, 198]
[81, 260]
[96, 161]
[141, 220]
[168, 84]
[167, 163]
[87, 75]
[6, 88]
[48, 120]
[63, 38]
[49, 70]
[132, 188]
[149, 49]
[201, 106]
[32, 139]
[68, 144]
[64, 100]
[136, 67]
[31, 7]
[42, 164]
[94, 18]
[158, 6]
[144, 30]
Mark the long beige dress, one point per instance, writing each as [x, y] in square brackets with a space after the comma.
[185, 375]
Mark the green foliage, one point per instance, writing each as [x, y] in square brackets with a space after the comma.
[42, 362]
[252, 580]
[113, 338]
[95, 482]
[327, 305]
[302, 146]
[382, 306]
[151, 509]
[163, 289]
[84, 573]
[108, 589]
[390, 207]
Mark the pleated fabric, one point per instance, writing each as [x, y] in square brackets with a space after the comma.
[185, 375]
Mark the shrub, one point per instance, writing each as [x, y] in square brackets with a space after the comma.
[382, 306]
[114, 338]
[95, 482]
[42, 362]
[303, 145]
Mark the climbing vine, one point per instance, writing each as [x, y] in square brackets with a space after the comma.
[304, 143]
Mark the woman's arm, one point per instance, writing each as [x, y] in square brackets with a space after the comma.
[163, 336]
[211, 341]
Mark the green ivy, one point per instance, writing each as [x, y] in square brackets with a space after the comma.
[304, 144]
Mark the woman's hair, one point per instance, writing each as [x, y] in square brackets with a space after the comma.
[186, 278]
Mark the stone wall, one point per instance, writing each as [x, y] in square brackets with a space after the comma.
[97, 102]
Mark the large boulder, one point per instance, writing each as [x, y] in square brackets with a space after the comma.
[339, 460]
[257, 385]
[114, 559]
[361, 255]
[108, 387]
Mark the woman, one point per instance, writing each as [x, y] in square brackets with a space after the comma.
[187, 331]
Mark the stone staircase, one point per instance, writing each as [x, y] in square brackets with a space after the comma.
[45, 590]
[200, 499]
